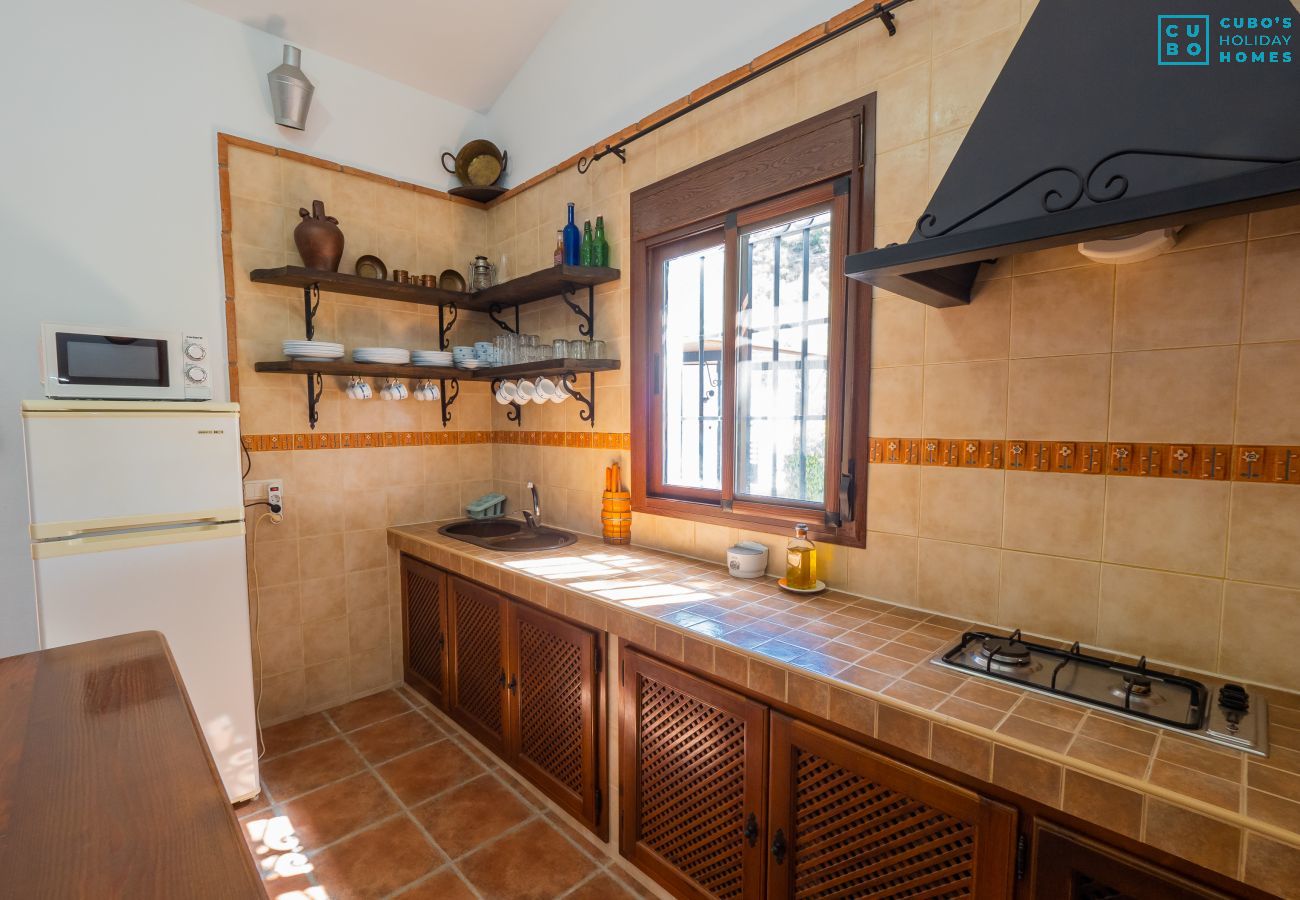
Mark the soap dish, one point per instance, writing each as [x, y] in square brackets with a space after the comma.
[489, 506]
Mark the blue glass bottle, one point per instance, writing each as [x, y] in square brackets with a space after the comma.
[572, 241]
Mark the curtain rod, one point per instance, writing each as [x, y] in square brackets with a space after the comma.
[881, 11]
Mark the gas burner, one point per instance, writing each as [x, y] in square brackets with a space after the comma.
[1210, 710]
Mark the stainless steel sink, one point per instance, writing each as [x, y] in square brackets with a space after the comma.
[507, 534]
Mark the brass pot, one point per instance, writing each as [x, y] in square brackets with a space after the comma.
[477, 164]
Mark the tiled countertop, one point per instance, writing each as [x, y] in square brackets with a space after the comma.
[866, 665]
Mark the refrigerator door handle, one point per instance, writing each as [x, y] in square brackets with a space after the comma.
[126, 540]
[44, 531]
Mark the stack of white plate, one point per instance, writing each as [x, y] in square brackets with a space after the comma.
[387, 355]
[431, 357]
[312, 350]
[470, 364]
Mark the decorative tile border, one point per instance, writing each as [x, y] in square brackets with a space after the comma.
[342, 440]
[1207, 462]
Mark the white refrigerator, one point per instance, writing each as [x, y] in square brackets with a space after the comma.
[137, 524]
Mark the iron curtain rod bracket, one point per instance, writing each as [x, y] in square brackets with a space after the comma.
[504, 326]
[310, 304]
[315, 387]
[443, 327]
[448, 397]
[515, 412]
[589, 414]
[882, 11]
[587, 327]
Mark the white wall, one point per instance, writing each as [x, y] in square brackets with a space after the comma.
[109, 206]
[606, 65]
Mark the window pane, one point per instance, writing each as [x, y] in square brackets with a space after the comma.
[691, 374]
[782, 341]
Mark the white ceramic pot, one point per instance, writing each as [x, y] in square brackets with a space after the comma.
[748, 559]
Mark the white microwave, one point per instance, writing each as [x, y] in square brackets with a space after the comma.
[91, 362]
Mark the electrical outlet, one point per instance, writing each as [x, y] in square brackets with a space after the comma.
[261, 490]
[275, 496]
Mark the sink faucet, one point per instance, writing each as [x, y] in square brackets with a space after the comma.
[534, 518]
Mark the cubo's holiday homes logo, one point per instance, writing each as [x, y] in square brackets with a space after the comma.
[1193, 40]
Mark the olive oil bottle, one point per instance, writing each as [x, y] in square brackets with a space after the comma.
[801, 561]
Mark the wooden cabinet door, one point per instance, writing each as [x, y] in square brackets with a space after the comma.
[476, 627]
[692, 772]
[1069, 866]
[554, 707]
[424, 638]
[846, 822]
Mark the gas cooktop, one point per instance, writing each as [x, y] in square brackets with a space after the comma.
[1220, 712]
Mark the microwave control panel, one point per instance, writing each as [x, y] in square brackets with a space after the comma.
[195, 367]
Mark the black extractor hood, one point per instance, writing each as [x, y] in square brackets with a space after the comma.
[1111, 118]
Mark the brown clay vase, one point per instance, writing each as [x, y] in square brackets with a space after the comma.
[319, 239]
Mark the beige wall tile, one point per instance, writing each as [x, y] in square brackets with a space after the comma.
[962, 21]
[886, 569]
[1063, 312]
[961, 504]
[897, 330]
[1190, 299]
[895, 409]
[1065, 257]
[1265, 535]
[254, 174]
[1261, 629]
[279, 649]
[959, 579]
[327, 684]
[902, 183]
[367, 630]
[1173, 396]
[1272, 273]
[1273, 222]
[893, 498]
[325, 640]
[1059, 397]
[966, 400]
[320, 556]
[1050, 595]
[1268, 395]
[1053, 513]
[963, 77]
[1165, 616]
[1165, 523]
[979, 330]
[903, 108]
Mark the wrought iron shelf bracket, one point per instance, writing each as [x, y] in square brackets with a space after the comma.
[445, 323]
[504, 326]
[587, 327]
[447, 397]
[315, 387]
[588, 400]
[515, 412]
[310, 306]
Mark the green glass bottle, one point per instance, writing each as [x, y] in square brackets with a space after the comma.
[600, 256]
[588, 245]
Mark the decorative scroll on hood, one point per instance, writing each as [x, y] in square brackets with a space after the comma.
[1111, 117]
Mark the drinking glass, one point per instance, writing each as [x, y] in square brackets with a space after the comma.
[560, 348]
[595, 349]
[578, 349]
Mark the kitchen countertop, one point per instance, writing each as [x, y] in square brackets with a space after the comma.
[867, 665]
[107, 788]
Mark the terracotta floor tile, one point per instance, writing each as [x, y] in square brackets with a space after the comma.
[298, 733]
[358, 713]
[471, 814]
[443, 884]
[602, 887]
[430, 770]
[533, 863]
[393, 737]
[307, 769]
[325, 815]
[376, 862]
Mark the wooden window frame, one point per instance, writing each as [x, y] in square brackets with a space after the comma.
[829, 156]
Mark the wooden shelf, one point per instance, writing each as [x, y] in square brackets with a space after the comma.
[517, 291]
[538, 286]
[368, 370]
[357, 286]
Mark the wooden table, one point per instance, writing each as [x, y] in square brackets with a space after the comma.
[107, 788]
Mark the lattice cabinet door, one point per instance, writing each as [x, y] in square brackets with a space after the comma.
[1069, 866]
[846, 822]
[424, 638]
[554, 709]
[477, 632]
[693, 761]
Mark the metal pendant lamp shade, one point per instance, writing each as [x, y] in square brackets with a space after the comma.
[290, 90]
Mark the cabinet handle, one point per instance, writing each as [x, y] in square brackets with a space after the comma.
[778, 846]
[751, 829]
[514, 683]
[503, 677]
